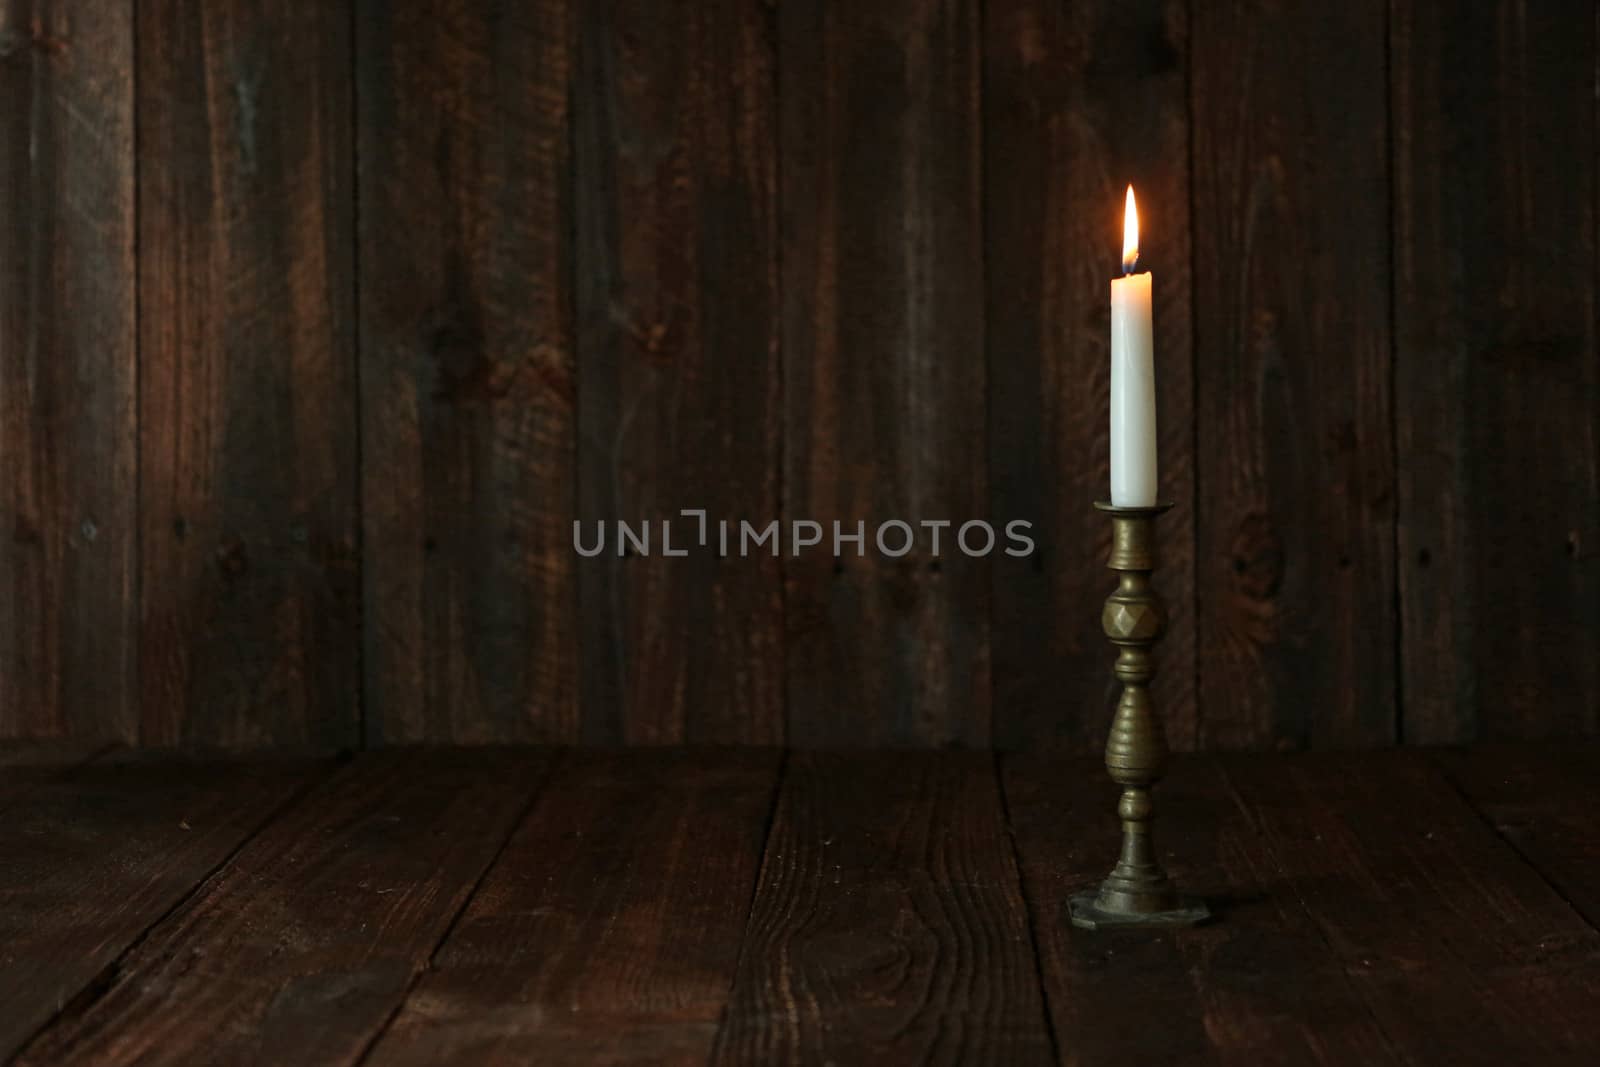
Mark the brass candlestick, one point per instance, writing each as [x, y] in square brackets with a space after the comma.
[1137, 892]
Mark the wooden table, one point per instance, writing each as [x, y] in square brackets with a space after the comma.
[667, 906]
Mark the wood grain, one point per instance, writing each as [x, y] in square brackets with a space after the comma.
[1079, 101]
[609, 929]
[96, 857]
[468, 435]
[883, 368]
[1496, 376]
[677, 257]
[154, 909]
[1463, 952]
[888, 923]
[301, 948]
[247, 444]
[1542, 800]
[1219, 994]
[293, 435]
[1296, 462]
[67, 372]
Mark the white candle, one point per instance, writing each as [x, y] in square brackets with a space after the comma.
[1133, 380]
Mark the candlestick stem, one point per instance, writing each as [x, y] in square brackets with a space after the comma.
[1137, 892]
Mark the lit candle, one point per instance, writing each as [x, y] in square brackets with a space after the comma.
[1133, 380]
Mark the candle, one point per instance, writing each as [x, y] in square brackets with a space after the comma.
[1133, 381]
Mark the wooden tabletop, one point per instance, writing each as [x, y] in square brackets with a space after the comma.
[669, 906]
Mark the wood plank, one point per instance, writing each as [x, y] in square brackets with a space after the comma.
[47, 754]
[1079, 101]
[677, 300]
[1296, 544]
[247, 482]
[93, 859]
[67, 371]
[1462, 951]
[1496, 375]
[467, 430]
[888, 922]
[302, 947]
[884, 390]
[27, 764]
[1257, 986]
[609, 929]
[1541, 800]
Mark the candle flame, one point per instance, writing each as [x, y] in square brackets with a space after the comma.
[1130, 235]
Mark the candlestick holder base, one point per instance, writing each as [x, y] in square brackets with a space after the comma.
[1086, 913]
[1137, 892]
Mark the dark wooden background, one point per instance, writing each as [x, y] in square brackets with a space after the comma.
[321, 322]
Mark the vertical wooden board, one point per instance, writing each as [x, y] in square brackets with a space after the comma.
[1080, 101]
[1258, 985]
[677, 258]
[250, 591]
[609, 929]
[1497, 387]
[301, 948]
[1542, 801]
[467, 371]
[1295, 548]
[93, 859]
[888, 923]
[67, 371]
[1463, 951]
[883, 369]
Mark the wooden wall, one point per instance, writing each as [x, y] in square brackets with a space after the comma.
[321, 323]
